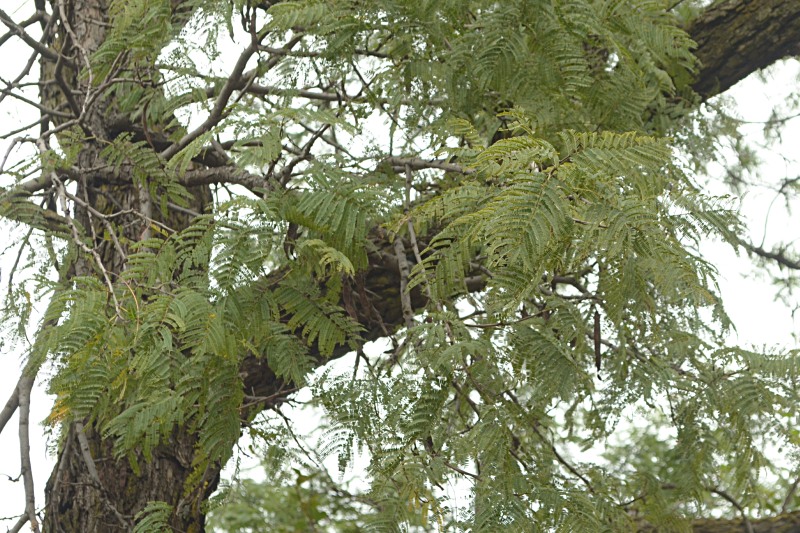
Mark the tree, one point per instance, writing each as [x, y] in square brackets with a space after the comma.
[523, 231]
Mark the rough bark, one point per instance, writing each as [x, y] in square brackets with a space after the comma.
[738, 37]
[786, 523]
[107, 499]
[783, 523]
[91, 491]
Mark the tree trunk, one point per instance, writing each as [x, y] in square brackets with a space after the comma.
[89, 490]
[77, 500]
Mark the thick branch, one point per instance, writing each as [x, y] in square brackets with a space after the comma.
[230, 174]
[14, 207]
[738, 37]
[787, 523]
[24, 24]
[378, 308]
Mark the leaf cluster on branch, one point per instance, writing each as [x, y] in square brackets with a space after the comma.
[218, 199]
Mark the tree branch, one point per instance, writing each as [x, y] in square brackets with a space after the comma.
[778, 256]
[86, 453]
[11, 405]
[20, 32]
[36, 17]
[24, 389]
[417, 163]
[738, 37]
[225, 94]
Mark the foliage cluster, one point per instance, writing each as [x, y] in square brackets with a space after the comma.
[520, 157]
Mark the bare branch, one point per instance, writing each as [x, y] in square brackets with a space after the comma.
[725, 496]
[36, 17]
[322, 96]
[11, 405]
[52, 112]
[34, 185]
[405, 298]
[24, 387]
[20, 32]
[417, 163]
[304, 155]
[231, 175]
[76, 238]
[778, 256]
[19, 524]
[268, 90]
[787, 501]
[218, 110]
[104, 219]
[12, 133]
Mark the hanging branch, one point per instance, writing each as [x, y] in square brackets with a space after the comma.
[24, 390]
[11, 405]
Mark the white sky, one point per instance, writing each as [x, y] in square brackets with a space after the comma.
[750, 300]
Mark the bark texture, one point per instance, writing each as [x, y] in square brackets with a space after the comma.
[79, 499]
[738, 37]
[786, 523]
[90, 490]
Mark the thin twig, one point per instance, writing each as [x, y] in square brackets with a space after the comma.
[304, 155]
[11, 147]
[461, 471]
[12, 133]
[566, 464]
